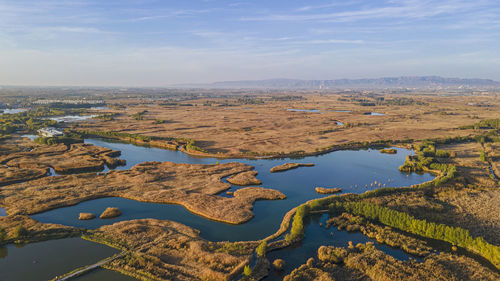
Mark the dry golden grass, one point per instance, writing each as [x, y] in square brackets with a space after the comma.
[110, 212]
[168, 250]
[86, 216]
[365, 262]
[469, 202]
[269, 127]
[324, 190]
[289, 166]
[36, 231]
[64, 159]
[192, 186]
[244, 179]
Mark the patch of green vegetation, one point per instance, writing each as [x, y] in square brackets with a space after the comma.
[424, 160]
[191, 145]
[442, 154]
[482, 155]
[399, 101]
[247, 271]
[139, 115]
[232, 248]
[352, 125]
[297, 230]
[20, 232]
[106, 116]
[250, 100]
[389, 151]
[330, 254]
[3, 235]
[261, 249]
[402, 221]
[69, 138]
[30, 120]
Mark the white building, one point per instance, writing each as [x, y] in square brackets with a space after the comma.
[50, 132]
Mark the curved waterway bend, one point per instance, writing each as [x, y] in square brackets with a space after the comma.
[355, 171]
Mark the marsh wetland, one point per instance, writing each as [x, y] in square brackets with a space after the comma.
[190, 210]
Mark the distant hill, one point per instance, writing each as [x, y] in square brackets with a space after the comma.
[387, 82]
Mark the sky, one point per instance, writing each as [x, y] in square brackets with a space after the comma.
[162, 43]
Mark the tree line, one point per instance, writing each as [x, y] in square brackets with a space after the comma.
[405, 222]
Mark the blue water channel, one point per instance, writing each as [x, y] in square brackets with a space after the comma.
[317, 235]
[355, 171]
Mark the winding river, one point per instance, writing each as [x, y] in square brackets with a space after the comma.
[355, 171]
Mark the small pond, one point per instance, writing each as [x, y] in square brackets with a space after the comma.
[72, 118]
[303, 110]
[48, 259]
[3, 213]
[12, 110]
[374, 113]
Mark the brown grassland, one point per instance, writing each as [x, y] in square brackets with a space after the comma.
[233, 129]
[192, 186]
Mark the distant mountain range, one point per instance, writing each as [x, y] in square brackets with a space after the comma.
[387, 82]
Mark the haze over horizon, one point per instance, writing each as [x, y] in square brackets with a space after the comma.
[161, 43]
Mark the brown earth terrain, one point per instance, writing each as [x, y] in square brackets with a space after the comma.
[167, 250]
[192, 186]
[231, 128]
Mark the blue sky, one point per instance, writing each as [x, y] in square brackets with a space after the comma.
[160, 43]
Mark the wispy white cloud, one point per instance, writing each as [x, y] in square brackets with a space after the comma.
[409, 9]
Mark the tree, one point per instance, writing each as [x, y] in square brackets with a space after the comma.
[261, 249]
[3, 235]
[20, 231]
[247, 270]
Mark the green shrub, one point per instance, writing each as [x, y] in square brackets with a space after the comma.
[261, 249]
[297, 230]
[20, 232]
[247, 271]
[3, 235]
[442, 154]
[482, 155]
